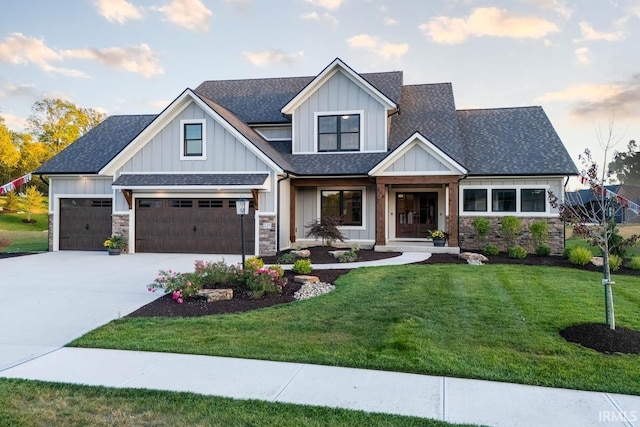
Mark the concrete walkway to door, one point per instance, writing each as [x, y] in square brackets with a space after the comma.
[52, 298]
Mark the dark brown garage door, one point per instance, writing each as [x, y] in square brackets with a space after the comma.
[84, 224]
[192, 226]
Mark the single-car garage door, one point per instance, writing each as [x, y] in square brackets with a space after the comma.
[84, 224]
[192, 226]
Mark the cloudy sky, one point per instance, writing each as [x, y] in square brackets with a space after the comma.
[579, 59]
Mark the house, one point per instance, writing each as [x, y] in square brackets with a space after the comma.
[392, 160]
[585, 201]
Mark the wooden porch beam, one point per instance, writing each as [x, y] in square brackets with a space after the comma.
[256, 199]
[128, 196]
[292, 215]
[381, 214]
[453, 213]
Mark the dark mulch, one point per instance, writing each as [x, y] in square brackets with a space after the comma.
[599, 337]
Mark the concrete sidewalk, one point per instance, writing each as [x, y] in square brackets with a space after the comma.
[449, 399]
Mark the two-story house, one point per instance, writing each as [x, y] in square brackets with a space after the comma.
[392, 160]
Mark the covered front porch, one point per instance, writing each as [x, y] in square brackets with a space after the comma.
[409, 207]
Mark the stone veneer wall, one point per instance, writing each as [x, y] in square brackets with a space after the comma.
[267, 236]
[50, 232]
[120, 225]
[469, 240]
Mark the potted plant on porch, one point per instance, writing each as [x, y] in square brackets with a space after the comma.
[115, 244]
[438, 237]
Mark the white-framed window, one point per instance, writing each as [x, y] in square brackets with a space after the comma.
[523, 200]
[346, 203]
[338, 131]
[193, 139]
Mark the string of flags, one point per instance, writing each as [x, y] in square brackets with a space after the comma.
[626, 203]
[15, 184]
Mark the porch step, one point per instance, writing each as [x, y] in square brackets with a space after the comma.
[415, 247]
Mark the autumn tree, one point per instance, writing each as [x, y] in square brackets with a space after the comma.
[33, 201]
[9, 153]
[57, 123]
[626, 164]
[595, 221]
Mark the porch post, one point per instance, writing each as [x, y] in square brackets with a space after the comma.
[381, 212]
[292, 214]
[453, 213]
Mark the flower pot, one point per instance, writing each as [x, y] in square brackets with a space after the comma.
[438, 242]
[114, 251]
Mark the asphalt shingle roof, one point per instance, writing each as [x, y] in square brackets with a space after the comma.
[153, 180]
[91, 152]
[512, 141]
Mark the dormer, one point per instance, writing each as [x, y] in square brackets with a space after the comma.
[339, 111]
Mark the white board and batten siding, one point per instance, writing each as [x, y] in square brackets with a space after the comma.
[79, 186]
[340, 94]
[223, 154]
[417, 159]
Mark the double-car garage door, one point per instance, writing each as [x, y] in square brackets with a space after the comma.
[192, 226]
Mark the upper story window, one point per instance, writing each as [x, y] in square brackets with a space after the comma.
[193, 139]
[339, 132]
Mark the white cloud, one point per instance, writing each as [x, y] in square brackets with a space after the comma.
[190, 14]
[325, 18]
[582, 55]
[589, 34]
[556, 5]
[272, 56]
[19, 49]
[159, 104]
[14, 122]
[390, 21]
[8, 89]
[547, 43]
[487, 21]
[327, 4]
[381, 48]
[119, 11]
[136, 59]
[621, 99]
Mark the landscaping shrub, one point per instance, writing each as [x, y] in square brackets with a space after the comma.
[326, 228]
[580, 256]
[253, 263]
[287, 258]
[302, 266]
[348, 256]
[517, 252]
[263, 281]
[615, 262]
[215, 272]
[634, 263]
[482, 226]
[539, 232]
[510, 226]
[566, 252]
[543, 250]
[491, 249]
[11, 201]
[181, 285]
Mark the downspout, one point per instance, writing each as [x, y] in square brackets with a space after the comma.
[278, 211]
[43, 180]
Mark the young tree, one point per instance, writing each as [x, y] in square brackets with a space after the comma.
[593, 220]
[32, 202]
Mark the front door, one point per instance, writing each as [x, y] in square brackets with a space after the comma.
[416, 213]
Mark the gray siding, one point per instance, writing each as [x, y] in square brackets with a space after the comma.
[307, 211]
[340, 93]
[77, 185]
[274, 133]
[417, 159]
[223, 152]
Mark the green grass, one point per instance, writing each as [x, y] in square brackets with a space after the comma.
[18, 236]
[625, 230]
[32, 403]
[496, 322]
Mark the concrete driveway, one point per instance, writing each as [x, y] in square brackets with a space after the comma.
[49, 299]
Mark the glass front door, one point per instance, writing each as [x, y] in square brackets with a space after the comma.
[416, 213]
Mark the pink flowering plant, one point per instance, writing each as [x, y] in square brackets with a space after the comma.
[255, 276]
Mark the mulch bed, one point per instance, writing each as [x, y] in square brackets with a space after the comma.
[596, 336]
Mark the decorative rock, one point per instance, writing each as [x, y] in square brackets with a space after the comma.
[310, 290]
[212, 295]
[471, 256]
[302, 253]
[337, 254]
[597, 261]
[306, 279]
[474, 262]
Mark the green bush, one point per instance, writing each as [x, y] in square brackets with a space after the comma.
[615, 262]
[253, 263]
[491, 249]
[580, 256]
[634, 263]
[302, 266]
[566, 252]
[510, 226]
[543, 250]
[517, 252]
[482, 226]
[11, 201]
[539, 232]
[215, 273]
[348, 256]
[287, 258]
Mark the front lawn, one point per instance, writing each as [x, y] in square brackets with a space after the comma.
[33, 403]
[494, 322]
